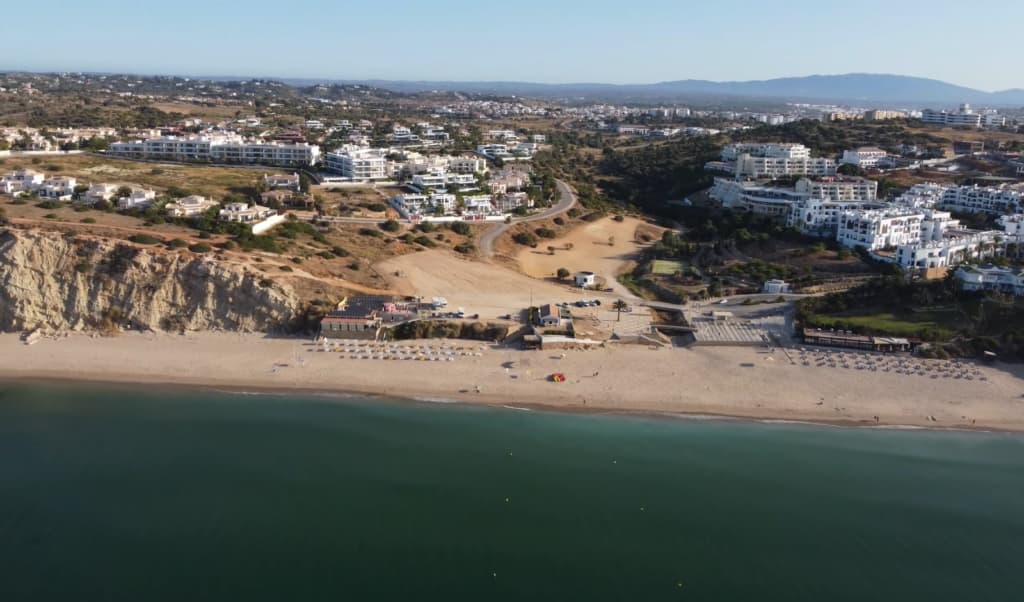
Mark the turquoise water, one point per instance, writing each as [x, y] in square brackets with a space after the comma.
[141, 494]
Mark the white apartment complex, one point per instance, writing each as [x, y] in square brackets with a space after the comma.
[963, 116]
[838, 188]
[865, 157]
[218, 149]
[953, 249]
[990, 278]
[358, 163]
[892, 227]
[772, 150]
[820, 217]
[975, 199]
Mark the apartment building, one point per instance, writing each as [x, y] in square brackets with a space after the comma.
[922, 196]
[358, 163]
[990, 278]
[892, 227]
[773, 150]
[964, 116]
[774, 167]
[227, 149]
[953, 249]
[411, 206]
[1012, 225]
[883, 115]
[865, 157]
[760, 200]
[976, 199]
[820, 217]
[468, 165]
[838, 188]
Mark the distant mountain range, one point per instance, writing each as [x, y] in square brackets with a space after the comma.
[863, 88]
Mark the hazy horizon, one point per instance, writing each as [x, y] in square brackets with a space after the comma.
[452, 40]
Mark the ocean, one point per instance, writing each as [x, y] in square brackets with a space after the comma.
[118, 493]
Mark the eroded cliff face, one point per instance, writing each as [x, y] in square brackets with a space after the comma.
[55, 282]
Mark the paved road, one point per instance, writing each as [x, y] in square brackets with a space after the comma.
[567, 200]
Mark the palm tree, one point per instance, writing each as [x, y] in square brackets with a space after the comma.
[619, 306]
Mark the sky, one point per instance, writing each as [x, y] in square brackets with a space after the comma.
[555, 41]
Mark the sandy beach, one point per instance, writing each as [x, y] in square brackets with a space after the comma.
[735, 382]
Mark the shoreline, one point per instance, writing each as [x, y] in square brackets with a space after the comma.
[689, 384]
[342, 396]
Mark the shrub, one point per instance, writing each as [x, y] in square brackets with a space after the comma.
[296, 260]
[204, 234]
[82, 267]
[618, 218]
[461, 228]
[464, 248]
[88, 220]
[573, 213]
[49, 205]
[525, 238]
[427, 227]
[326, 254]
[370, 232]
[424, 241]
[51, 216]
[545, 233]
[559, 221]
[286, 268]
[378, 207]
[200, 247]
[391, 226]
[177, 243]
[340, 252]
[266, 283]
[156, 171]
[145, 239]
[354, 266]
[562, 273]
[227, 245]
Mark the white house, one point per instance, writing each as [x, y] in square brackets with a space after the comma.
[585, 279]
[22, 180]
[57, 188]
[288, 182]
[97, 193]
[139, 199]
[245, 214]
[190, 206]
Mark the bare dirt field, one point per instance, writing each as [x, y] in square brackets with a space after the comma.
[587, 248]
[479, 287]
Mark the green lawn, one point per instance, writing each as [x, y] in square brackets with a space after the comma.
[942, 324]
[664, 267]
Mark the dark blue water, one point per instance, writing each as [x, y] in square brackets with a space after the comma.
[134, 494]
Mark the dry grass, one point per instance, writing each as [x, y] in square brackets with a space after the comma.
[214, 182]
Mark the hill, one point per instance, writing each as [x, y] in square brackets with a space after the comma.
[853, 87]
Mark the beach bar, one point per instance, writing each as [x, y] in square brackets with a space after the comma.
[839, 338]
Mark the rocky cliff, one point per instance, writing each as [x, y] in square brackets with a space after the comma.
[57, 282]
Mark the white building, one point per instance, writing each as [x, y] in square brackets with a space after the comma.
[963, 116]
[190, 206]
[411, 206]
[772, 150]
[893, 227]
[585, 279]
[285, 181]
[922, 196]
[227, 149]
[775, 287]
[838, 188]
[820, 217]
[975, 199]
[358, 163]
[774, 167]
[57, 188]
[245, 214]
[97, 193]
[1013, 225]
[990, 278]
[953, 249]
[865, 157]
[138, 199]
[22, 180]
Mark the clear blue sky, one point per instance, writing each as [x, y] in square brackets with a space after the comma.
[969, 43]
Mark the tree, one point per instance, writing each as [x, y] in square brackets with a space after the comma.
[551, 250]
[619, 306]
[849, 169]
[562, 273]
[391, 226]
